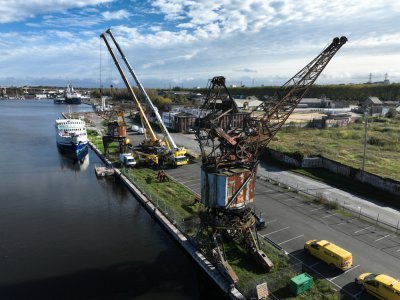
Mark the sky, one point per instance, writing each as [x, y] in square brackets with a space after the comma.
[184, 43]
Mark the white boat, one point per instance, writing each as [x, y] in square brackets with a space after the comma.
[71, 135]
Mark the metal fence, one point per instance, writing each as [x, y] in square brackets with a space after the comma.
[342, 204]
[185, 226]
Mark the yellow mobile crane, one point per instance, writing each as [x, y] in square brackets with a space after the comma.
[150, 138]
[155, 149]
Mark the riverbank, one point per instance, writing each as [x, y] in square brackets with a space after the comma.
[249, 272]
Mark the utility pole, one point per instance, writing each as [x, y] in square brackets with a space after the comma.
[365, 138]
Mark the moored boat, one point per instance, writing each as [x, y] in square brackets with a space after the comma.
[71, 96]
[71, 135]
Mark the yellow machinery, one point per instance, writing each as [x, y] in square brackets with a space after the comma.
[153, 149]
[116, 132]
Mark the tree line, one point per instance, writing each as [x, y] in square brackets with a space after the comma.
[350, 92]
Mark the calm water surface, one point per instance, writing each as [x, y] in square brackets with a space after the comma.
[64, 234]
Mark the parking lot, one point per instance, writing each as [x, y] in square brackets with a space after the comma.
[292, 219]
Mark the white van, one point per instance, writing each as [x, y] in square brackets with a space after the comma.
[127, 160]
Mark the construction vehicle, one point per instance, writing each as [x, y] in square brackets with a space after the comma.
[232, 143]
[167, 150]
[116, 132]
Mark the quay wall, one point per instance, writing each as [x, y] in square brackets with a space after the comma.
[207, 266]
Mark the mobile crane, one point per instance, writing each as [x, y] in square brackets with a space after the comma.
[237, 142]
[151, 144]
[173, 155]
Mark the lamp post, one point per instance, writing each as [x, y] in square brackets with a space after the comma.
[365, 138]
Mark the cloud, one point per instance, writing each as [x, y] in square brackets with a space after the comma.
[191, 41]
[115, 15]
[246, 70]
[18, 10]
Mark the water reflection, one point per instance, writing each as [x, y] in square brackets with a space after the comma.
[74, 161]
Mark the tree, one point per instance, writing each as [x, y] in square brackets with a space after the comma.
[392, 113]
[160, 102]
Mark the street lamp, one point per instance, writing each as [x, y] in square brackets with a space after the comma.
[365, 138]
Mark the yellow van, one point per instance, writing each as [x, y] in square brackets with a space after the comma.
[333, 255]
[380, 285]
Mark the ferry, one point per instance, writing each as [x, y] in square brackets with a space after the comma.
[71, 135]
[71, 96]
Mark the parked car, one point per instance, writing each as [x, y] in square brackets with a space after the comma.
[127, 160]
[191, 130]
[331, 254]
[379, 285]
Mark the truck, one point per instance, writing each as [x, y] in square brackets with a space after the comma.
[127, 160]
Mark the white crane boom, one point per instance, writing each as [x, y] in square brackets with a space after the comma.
[169, 140]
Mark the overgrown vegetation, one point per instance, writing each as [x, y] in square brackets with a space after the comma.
[346, 144]
[168, 193]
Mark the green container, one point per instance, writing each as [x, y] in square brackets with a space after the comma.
[301, 283]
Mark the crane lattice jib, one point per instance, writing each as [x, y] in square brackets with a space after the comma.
[169, 140]
[143, 117]
[231, 138]
[296, 87]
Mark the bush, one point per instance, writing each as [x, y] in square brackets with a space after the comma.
[392, 113]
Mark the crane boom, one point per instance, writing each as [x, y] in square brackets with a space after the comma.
[240, 138]
[296, 87]
[143, 117]
[170, 141]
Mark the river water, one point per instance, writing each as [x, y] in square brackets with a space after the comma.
[64, 234]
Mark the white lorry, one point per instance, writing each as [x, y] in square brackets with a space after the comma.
[127, 160]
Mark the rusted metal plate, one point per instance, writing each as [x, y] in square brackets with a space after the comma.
[219, 188]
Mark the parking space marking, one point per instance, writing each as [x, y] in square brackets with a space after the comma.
[289, 199]
[275, 231]
[290, 239]
[274, 220]
[330, 215]
[383, 237]
[340, 223]
[364, 229]
[358, 294]
[300, 251]
[317, 209]
[345, 272]
[196, 179]
[334, 283]
[313, 265]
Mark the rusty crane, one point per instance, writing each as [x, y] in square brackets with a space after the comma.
[232, 143]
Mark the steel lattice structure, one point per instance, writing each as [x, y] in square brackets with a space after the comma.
[232, 143]
[238, 140]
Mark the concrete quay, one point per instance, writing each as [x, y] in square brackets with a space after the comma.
[179, 237]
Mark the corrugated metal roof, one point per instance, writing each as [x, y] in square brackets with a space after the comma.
[375, 100]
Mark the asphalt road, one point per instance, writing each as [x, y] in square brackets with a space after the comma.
[292, 220]
[370, 207]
